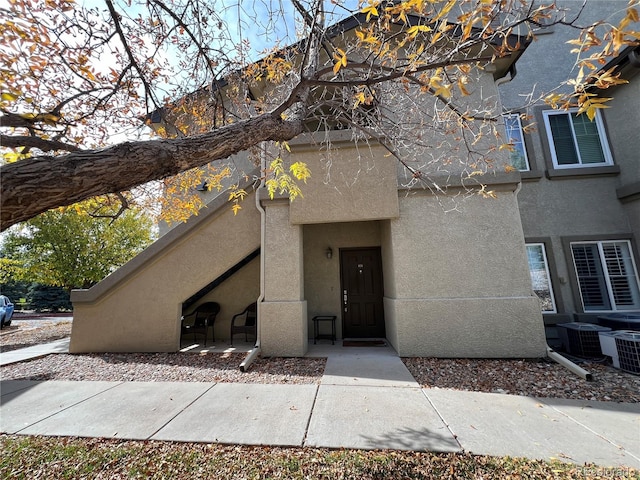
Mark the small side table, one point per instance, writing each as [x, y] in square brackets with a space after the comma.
[316, 328]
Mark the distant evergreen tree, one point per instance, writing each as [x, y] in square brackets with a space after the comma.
[48, 298]
[15, 290]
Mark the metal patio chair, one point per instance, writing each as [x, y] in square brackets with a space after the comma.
[245, 322]
[204, 317]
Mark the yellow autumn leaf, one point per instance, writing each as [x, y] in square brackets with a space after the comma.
[341, 60]
[487, 193]
[608, 78]
[436, 37]
[445, 10]
[300, 171]
[436, 86]
[591, 106]
[462, 82]
[371, 10]
[631, 16]
[51, 119]
[402, 16]
[237, 194]
[413, 31]
[553, 99]
[9, 97]
[10, 157]
[366, 36]
[415, 4]
[466, 31]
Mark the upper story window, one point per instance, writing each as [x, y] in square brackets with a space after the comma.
[607, 275]
[515, 137]
[576, 141]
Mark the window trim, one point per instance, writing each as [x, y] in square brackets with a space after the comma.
[547, 265]
[602, 136]
[574, 274]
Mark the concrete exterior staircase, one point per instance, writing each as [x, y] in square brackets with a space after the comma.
[138, 307]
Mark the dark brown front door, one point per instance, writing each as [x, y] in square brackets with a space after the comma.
[361, 280]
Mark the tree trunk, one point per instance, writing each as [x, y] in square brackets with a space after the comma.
[38, 184]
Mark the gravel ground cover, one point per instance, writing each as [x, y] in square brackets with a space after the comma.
[539, 378]
[25, 333]
[166, 367]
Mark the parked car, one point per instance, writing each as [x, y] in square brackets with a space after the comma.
[6, 311]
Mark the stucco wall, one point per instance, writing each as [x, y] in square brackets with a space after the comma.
[389, 280]
[622, 120]
[548, 61]
[284, 328]
[476, 251]
[283, 313]
[322, 275]
[467, 327]
[443, 158]
[586, 205]
[347, 184]
[462, 284]
[632, 208]
[138, 308]
[572, 207]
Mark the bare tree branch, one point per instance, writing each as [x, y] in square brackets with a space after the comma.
[12, 141]
[115, 16]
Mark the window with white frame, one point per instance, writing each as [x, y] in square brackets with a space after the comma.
[515, 138]
[607, 275]
[540, 278]
[576, 141]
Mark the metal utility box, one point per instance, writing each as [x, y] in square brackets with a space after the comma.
[581, 339]
[628, 346]
[608, 344]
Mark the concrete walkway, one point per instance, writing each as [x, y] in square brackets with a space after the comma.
[37, 351]
[366, 399]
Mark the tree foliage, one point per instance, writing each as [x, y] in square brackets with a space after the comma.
[48, 298]
[69, 248]
[218, 77]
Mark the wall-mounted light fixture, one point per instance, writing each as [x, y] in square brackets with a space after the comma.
[329, 253]
[203, 187]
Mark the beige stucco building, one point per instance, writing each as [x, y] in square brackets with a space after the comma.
[438, 273]
[401, 266]
[432, 282]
